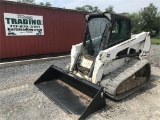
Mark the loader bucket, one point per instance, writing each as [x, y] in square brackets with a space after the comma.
[74, 95]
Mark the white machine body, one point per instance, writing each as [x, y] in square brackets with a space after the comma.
[106, 61]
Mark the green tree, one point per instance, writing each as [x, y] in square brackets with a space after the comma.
[110, 8]
[145, 20]
[135, 22]
[48, 4]
[27, 1]
[41, 4]
[88, 8]
[149, 20]
[158, 17]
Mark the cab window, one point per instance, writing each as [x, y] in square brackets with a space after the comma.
[120, 32]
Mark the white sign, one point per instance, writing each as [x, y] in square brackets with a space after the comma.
[22, 25]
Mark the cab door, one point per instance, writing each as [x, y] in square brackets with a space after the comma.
[120, 32]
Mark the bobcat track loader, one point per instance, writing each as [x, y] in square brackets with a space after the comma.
[110, 62]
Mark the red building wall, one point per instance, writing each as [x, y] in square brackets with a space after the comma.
[62, 29]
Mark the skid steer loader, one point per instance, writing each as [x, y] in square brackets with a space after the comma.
[110, 62]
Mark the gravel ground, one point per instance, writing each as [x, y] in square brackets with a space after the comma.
[20, 99]
[155, 55]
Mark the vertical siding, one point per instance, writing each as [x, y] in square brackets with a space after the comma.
[62, 29]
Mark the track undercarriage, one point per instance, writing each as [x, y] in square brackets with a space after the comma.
[126, 79]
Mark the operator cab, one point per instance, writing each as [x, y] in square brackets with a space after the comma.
[104, 30]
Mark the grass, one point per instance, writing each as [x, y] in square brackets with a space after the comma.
[155, 40]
